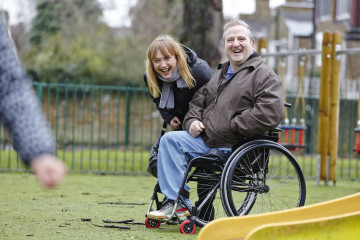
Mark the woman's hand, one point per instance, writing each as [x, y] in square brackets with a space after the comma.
[196, 128]
[175, 123]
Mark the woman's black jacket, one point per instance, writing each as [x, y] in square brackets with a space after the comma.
[182, 96]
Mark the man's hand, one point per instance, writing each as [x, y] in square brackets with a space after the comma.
[49, 170]
[196, 128]
[175, 123]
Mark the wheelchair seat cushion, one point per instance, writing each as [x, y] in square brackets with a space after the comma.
[213, 159]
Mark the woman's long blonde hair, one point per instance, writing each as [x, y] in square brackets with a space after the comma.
[168, 46]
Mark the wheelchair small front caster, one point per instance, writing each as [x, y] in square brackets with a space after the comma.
[152, 223]
[187, 227]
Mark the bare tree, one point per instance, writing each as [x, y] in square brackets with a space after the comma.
[202, 28]
[149, 18]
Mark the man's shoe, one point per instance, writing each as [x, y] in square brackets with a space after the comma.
[166, 211]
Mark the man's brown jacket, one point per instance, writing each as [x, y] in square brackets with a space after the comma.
[250, 102]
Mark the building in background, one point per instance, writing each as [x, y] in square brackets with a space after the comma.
[300, 24]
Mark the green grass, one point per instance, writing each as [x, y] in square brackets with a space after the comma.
[132, 161]
[135, 160]
[28, 209]
[96, 161]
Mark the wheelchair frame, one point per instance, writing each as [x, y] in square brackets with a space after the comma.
[241, 180]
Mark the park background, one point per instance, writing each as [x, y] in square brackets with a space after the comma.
[88, 73]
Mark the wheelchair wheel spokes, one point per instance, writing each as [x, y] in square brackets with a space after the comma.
[205, 194]
[245, 192]
[262, 178]
[248, 203]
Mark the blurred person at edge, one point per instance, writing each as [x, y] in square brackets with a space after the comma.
[21, 114]
[173, 74]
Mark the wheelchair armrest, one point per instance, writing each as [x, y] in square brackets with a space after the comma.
[277, 130]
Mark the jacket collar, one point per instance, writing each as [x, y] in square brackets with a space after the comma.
[252, 62]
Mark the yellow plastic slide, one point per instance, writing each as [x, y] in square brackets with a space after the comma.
[345, 226]
[240, 227]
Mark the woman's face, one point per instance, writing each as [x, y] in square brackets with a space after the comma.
[164, 65]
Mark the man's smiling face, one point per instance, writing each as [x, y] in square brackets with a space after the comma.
[238, 45]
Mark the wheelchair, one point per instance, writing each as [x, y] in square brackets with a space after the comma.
[259, 176]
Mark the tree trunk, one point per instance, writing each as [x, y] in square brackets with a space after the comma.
[202, 28]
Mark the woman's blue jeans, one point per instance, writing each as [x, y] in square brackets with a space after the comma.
[173, 160]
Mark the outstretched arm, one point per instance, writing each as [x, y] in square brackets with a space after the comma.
[21, 114]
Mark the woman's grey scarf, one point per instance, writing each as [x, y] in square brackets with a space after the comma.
[167, 93]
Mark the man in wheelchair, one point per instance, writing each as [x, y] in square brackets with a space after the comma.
[243, 98]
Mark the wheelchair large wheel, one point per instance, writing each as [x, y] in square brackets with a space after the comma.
[260, 177]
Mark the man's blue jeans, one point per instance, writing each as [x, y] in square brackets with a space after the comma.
[173, 162]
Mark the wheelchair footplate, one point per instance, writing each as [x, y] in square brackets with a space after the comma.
[187, 223]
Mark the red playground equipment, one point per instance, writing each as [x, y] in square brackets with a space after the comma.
[357, 142]
[357, 130]
[293, 132]
[293, 135]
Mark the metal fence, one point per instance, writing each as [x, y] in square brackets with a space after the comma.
[110, 130]
[97, 128]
